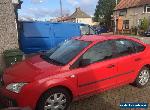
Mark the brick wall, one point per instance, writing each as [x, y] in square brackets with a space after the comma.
[8, 28]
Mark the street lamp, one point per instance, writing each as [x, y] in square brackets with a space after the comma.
[61, 11]
[17, 5]
[116, 18]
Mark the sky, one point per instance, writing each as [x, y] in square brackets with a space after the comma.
[47, 9]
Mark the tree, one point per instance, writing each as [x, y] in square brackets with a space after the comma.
[104, 10]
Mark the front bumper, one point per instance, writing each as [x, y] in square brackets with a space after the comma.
[8, 102]
[10, 99]
[7, 98]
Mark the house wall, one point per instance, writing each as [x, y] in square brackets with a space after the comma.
[8, 28]
[88, 21]
[134, 14]
[84, 20]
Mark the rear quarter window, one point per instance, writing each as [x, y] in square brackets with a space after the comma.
[124, 47]
[138, 47]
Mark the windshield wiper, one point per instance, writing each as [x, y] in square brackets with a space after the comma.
[56, 62]
[45, 57]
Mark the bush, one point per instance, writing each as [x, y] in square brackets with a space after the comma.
[12, 56]
[144, 24]
[134, 30]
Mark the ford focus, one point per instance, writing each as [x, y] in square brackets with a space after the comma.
[77, 68]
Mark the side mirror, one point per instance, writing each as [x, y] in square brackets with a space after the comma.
[84, 62]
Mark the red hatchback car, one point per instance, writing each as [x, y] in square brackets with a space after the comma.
[77, 68]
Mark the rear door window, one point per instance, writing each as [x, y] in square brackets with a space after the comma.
[124, 47]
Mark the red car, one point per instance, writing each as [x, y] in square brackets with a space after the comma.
[77, 68]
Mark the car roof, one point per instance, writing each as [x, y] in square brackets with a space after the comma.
[97, 38]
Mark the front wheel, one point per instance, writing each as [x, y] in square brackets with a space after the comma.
[54, 99]
[142, 78]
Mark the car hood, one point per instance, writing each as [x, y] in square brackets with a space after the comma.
[29, 70]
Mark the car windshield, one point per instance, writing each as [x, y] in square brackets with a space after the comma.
[64, 53]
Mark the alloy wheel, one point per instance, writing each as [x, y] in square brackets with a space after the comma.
[56, 101]
[144, 77]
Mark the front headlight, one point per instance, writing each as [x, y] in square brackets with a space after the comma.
[15, 87]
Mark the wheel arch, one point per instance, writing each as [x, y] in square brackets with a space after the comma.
[142, 66]
[136, 81]
[54, 87]
[147, 65]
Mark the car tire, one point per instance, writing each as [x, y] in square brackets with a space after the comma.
[143, 78]
[54, 99]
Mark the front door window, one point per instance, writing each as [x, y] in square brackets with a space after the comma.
[100, 52]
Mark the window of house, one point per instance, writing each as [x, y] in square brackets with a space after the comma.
[147, 9]
[126, 24]
[123, 13]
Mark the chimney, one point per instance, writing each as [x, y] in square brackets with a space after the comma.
[78, 9]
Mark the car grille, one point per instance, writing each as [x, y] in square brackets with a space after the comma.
[7, 101]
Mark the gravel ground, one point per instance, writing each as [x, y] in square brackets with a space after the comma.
[111, 99]
[144, 39]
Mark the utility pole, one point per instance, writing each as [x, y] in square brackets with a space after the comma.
[116, 18]
[61, 10]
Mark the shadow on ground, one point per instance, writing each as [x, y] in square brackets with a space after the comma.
[110, 100]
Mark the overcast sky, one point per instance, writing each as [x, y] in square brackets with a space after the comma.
[46, 9]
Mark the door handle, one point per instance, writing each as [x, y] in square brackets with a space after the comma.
[138, 59]
[111, 66]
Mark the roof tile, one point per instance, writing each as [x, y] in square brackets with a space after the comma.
[131, 3]
[79, 14]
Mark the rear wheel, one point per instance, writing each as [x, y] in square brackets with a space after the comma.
[54, 99]
[142, 78]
